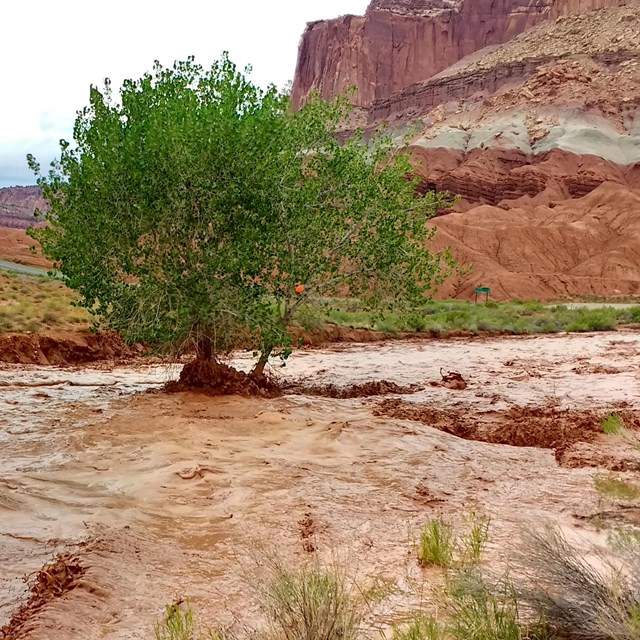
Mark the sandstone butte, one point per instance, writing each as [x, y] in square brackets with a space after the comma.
[400, 42]
[528, 111]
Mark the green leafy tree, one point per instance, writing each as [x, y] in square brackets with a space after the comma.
[197, 209]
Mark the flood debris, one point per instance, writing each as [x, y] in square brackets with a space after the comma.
[450, 380]
[52, 582]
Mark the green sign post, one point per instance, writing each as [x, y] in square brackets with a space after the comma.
[483, 291]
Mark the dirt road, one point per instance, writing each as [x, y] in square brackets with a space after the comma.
[166, 496]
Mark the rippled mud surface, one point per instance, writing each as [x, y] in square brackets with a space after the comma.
[164, 496]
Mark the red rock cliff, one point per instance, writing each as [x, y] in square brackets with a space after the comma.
[401, 42]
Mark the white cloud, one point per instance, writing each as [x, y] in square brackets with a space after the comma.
[51, 52]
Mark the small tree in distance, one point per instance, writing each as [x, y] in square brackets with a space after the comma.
[199, 210]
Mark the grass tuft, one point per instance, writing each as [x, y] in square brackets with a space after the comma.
[436, 544]
[421, 628]
[478, 612]
[476, 538]
[612, 424]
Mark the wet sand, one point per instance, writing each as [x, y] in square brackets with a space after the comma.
[167, 496]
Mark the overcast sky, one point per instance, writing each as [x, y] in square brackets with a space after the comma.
[51, 51]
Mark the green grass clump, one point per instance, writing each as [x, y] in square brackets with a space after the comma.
[612, 487]
[612, 424]
[436, 544]
[477, 612]
[475, 539]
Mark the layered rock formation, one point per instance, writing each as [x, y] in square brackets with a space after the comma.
[607, 38]
[539, 137]
[498, 176]
[398, 43]
[17, 206]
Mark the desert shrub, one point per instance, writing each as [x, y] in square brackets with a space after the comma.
[390, 323]
[312, 603]
[416, 322]
[578, 599]
[436, 544]
[480, 612]
[594, 320]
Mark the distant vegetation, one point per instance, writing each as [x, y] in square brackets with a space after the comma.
[33, 304]
[455, 317]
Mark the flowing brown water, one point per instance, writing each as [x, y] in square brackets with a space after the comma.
[165, 496]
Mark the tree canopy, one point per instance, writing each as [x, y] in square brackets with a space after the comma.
[198, 209]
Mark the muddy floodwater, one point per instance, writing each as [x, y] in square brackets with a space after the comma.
[169, 496]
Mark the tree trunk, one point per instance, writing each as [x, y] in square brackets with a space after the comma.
[258, 371]
[203, 348]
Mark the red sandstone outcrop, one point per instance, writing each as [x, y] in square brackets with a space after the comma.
[398, 43]
[496, 176]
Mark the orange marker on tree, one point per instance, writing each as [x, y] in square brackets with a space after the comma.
[299, 288]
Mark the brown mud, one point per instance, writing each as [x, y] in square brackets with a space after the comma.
[219, 379]
[542, 427]
[68, 348]
[166, 496]
[365, 390]
[53, 581]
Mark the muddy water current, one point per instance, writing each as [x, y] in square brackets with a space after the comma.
[159, 494]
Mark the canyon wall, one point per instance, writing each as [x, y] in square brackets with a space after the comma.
[398, 43]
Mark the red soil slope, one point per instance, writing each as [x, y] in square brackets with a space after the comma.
[15, 246]
[535, 250]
